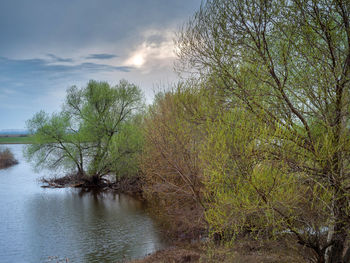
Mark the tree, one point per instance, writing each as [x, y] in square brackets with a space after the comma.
[288, 63]
[85, 135]
[170, 161]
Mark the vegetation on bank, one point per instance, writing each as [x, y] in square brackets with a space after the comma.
[275, 162]
[16, 139]
[7, 158]
[254, 145]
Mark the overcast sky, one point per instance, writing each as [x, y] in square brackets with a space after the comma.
[47, 46]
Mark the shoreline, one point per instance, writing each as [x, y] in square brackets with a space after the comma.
[130, 186]
[185, 248]
[189, 249]
[16, 140]
[178, 253]
[5, 143]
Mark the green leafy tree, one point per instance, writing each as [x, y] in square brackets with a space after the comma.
[88, 134]
[288, 64]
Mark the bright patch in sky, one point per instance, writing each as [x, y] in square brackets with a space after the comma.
[148, 52]
[136, 60]
[156, 49]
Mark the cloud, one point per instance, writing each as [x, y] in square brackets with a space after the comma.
[101, 56]
[55, 58]
[49, 26]
[29, 68]
[29, 85]
[47, 46]
[25, 81]
[155, 50]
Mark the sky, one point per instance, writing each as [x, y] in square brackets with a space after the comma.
[46, 46]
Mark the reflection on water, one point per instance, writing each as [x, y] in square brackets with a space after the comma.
[45, 225]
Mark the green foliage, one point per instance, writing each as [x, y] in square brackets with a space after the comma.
[126, 148]
[53, 145]
[247, 190]
[87, 134]
[286, 63]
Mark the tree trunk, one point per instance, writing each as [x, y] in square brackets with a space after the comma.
[330, 234]
[321, 259]
[347, 255]
[80, 171]
[336, 251]
[96, 180]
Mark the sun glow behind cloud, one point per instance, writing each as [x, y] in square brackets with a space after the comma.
[156, 48]
[136, 60]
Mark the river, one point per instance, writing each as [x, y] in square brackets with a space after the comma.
[67, 225]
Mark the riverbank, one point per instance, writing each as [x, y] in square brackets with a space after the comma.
[188, 239]
[247, 251]
[173, 254]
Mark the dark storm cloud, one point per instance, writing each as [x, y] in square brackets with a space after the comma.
[101, 56]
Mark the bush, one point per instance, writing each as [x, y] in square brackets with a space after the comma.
[170, 160]
[7, 158]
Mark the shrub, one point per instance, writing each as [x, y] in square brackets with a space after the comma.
[7, 158]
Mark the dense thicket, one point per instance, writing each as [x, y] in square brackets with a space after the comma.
[170, 159]
[286, 63]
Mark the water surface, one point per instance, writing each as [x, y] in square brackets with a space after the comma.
[55, 225]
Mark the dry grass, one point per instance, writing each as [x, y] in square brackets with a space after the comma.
[172, 255]
[251, 251]
[179, 223]
[243, 251]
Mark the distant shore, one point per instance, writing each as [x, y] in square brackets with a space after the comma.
[15, 139]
